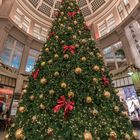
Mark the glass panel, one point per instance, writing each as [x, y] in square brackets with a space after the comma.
[33, 55]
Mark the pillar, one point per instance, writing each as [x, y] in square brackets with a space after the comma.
[122, 37]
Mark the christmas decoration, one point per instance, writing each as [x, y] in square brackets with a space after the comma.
[43, 64]
[127, 137]
[19, 134]
[88, 99]
[78, 70]
[50, 131]
[71, 14]
[43, 81]
[107, 94]
[63, 85]
[66, 56]
[35, 74]
[87, 136]
[70, 89]
[96, 68]
[113, 135]
[42, 106]
[32, 97]
[47, 50]
[21, 109]
[135, 134]
[70, 94]
[68, 106]
[105, 80]
[70, 48]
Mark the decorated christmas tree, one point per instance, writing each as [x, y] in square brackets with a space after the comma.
[70, 95]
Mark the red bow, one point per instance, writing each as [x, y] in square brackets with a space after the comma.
[68, 106]
[71, 48]
[35, 74]
[105, 80]
[72, 14]
[50, 35]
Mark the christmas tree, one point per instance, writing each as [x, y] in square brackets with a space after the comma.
[69, 95]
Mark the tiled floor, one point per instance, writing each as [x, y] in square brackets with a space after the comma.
[2, 134]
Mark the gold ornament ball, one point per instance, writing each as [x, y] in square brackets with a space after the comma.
[107, 94]
[57, 36]
[127, 137]
[103, 69]
[69, 8]
[74, 37]
[24, 91]
[94, 112]
[78, 70]
[87, 136]
[51, 92]
[32, 97]
[70, 94]
[47, 50]
[62, 25]
[124, 114]
[19, 133]
[79, 32]
[135, 134]
[66, 56]
[99, 55]
[71, 4]
[56, 74]
[83, 59]
[21, 109]
[69, 28]
[56, 56]
[88, 99]
[63, 85]
[116, 109]
[75, 22]
[83, 41]
[42, 106]
[34, 119]
[65, 18]
[50, 131]
[41, 96]
[6, 136]
[43, 64]
[113, 135]
[43, 81]
[62, 13]
[77, 45]
[50, 62]
[95, 80]
[96, 68]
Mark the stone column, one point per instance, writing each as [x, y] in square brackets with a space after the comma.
[25, 56]
[4, 31]
[122, 37]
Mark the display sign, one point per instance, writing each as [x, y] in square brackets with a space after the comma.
[14, 107]
[130, 92]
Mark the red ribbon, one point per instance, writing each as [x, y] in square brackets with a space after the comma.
[68, 106]
[35, 74]
[72, 14]
[50, 35]
[105, 80]
[70, 48]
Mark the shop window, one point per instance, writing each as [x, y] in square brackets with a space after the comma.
[114, 56]
[121, 11]
[33, 55]
[12, 52]
[22, 21]
[39, 32]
